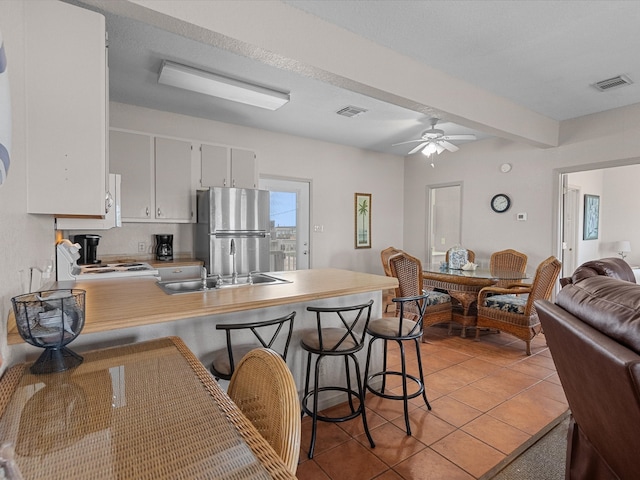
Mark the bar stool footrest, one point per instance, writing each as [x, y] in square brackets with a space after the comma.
[356, 413]
[390, 396]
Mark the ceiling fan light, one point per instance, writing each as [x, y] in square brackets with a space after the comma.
[429, 150]
[439, 149]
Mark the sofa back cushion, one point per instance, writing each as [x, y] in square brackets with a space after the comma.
[610, 267]
[609, 305]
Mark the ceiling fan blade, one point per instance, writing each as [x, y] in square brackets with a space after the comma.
[423, 144]
[459, 137]
[449, 146]
[408, 141]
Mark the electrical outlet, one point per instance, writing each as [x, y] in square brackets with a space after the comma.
[318, 228]
[142, 247]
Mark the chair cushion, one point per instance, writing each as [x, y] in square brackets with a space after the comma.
[437, 298]
[221, 363]
[389, 326]
[458, 257]
[507, 303]
[330, 339]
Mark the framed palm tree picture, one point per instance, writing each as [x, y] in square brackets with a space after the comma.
[363, 220]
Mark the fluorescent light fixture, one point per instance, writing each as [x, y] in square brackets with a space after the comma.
[215, 85]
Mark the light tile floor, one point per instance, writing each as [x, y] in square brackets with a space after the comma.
[489, 403]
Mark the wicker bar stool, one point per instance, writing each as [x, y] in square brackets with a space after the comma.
[265, 332]
[406, 327]
[344, 338]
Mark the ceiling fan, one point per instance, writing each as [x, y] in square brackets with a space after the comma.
[435, 141]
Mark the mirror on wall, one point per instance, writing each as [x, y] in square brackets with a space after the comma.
[444, 223]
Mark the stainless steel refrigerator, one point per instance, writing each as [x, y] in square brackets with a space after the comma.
[233, 230]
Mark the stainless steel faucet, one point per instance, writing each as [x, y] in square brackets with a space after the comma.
[232, 252]
[203, 273]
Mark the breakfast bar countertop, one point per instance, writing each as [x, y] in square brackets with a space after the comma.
[132, 302]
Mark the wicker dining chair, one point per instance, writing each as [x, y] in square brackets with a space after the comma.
[511, 309]
[266, 333]
[262, 386]
[408, 270]
[387, 295]
[507, 260]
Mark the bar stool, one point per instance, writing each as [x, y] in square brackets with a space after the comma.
[344, 338]
[265, 332]
[405, 327]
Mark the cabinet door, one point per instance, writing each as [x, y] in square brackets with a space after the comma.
[215, 168]
[173, 180]
[130, 155]
[65, 80]
[243, 169]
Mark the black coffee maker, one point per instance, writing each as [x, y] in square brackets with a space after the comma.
[88, 248]
[164, 247]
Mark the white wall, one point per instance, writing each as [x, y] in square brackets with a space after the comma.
[25, 238]
[589, 142]
[590, 183]
[336, 173]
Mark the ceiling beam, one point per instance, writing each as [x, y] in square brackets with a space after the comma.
[279, 35]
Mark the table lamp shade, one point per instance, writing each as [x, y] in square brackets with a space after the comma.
[623, 246]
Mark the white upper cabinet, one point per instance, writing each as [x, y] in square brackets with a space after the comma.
[174, 194]
[228, 167]
[131, 155]
[66, 111]
[156, 177]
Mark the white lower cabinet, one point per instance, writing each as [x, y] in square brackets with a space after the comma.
[156, 177]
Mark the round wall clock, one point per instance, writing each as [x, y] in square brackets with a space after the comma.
[500, 203]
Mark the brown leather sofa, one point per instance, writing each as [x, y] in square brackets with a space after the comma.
[593, 333]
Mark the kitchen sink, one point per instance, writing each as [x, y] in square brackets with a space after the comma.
[193, 285]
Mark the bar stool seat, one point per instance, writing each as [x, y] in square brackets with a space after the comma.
[344, 340]
[406, 327]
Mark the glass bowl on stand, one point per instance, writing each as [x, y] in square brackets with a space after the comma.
[50, 319]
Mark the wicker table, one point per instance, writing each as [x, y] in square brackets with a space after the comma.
[144, 411]
[463, 286]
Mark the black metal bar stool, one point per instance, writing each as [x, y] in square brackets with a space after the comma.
[265, 332]
[345, 337]
[407, 326]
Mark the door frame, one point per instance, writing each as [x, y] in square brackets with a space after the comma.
[303, 253]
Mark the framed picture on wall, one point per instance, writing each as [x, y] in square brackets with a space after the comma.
[363, 220]
[591, 217]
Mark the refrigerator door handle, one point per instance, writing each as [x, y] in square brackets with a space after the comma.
[241, 233]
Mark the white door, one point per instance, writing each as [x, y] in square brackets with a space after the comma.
[570, 223]
[290, 223]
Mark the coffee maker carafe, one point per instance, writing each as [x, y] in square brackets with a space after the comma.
[164, 247]
[88, 248]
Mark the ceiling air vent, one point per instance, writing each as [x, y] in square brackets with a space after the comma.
[615, 82]
[351, 111]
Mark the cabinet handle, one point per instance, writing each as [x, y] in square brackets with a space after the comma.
[233, 184]
[224, 182]
[159, 214]
[147, 211]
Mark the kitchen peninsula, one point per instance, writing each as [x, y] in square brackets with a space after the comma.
[121, 311]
